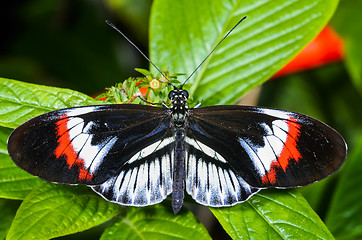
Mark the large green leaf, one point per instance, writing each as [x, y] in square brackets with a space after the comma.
[350, 12]
[183, 32]
[22, 101]
[57, 210]
[156, 222]
[15, 183]
[344, 217]
[273, 215]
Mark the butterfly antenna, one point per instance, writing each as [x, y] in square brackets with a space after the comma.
[134, 45]
[213, 50]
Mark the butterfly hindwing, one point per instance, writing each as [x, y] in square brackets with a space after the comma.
[85, 145]
[268, 147]
[145, 179]
[210, 179]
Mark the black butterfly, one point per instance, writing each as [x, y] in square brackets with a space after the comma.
[137, 155]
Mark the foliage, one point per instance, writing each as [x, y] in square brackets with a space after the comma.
[181, 33]
[136, 90]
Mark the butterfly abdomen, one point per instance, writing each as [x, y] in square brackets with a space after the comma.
[178, 171]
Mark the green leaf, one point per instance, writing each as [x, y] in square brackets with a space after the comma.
[22, 101]
[4, 135]
[344, 217]
[57, 210]
[7, 213]
[273, 33]
[143, 71]
[349, 12]
[15, 183]
[156, 222]
[273, 215]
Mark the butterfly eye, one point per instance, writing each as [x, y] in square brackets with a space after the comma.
[171, 94]
[185, 93]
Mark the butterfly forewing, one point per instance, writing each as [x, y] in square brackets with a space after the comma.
[267, 147]
[86, 145]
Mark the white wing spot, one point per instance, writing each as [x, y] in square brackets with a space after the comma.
[79, 111]
[275, 113]
[75, 121]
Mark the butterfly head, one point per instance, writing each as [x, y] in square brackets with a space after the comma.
[178, 95]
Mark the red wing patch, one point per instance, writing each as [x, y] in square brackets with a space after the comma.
[288, 152]
[66, 149]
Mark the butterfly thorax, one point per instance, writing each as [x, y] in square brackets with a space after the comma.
[178, 109]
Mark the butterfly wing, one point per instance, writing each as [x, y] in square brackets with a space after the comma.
[87, 145]
[239, 149]
[145, 179]
[210, 179]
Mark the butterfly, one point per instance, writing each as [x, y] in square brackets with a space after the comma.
[137, 155]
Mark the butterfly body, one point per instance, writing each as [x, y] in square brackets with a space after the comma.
[137, 155]
[178, 125]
